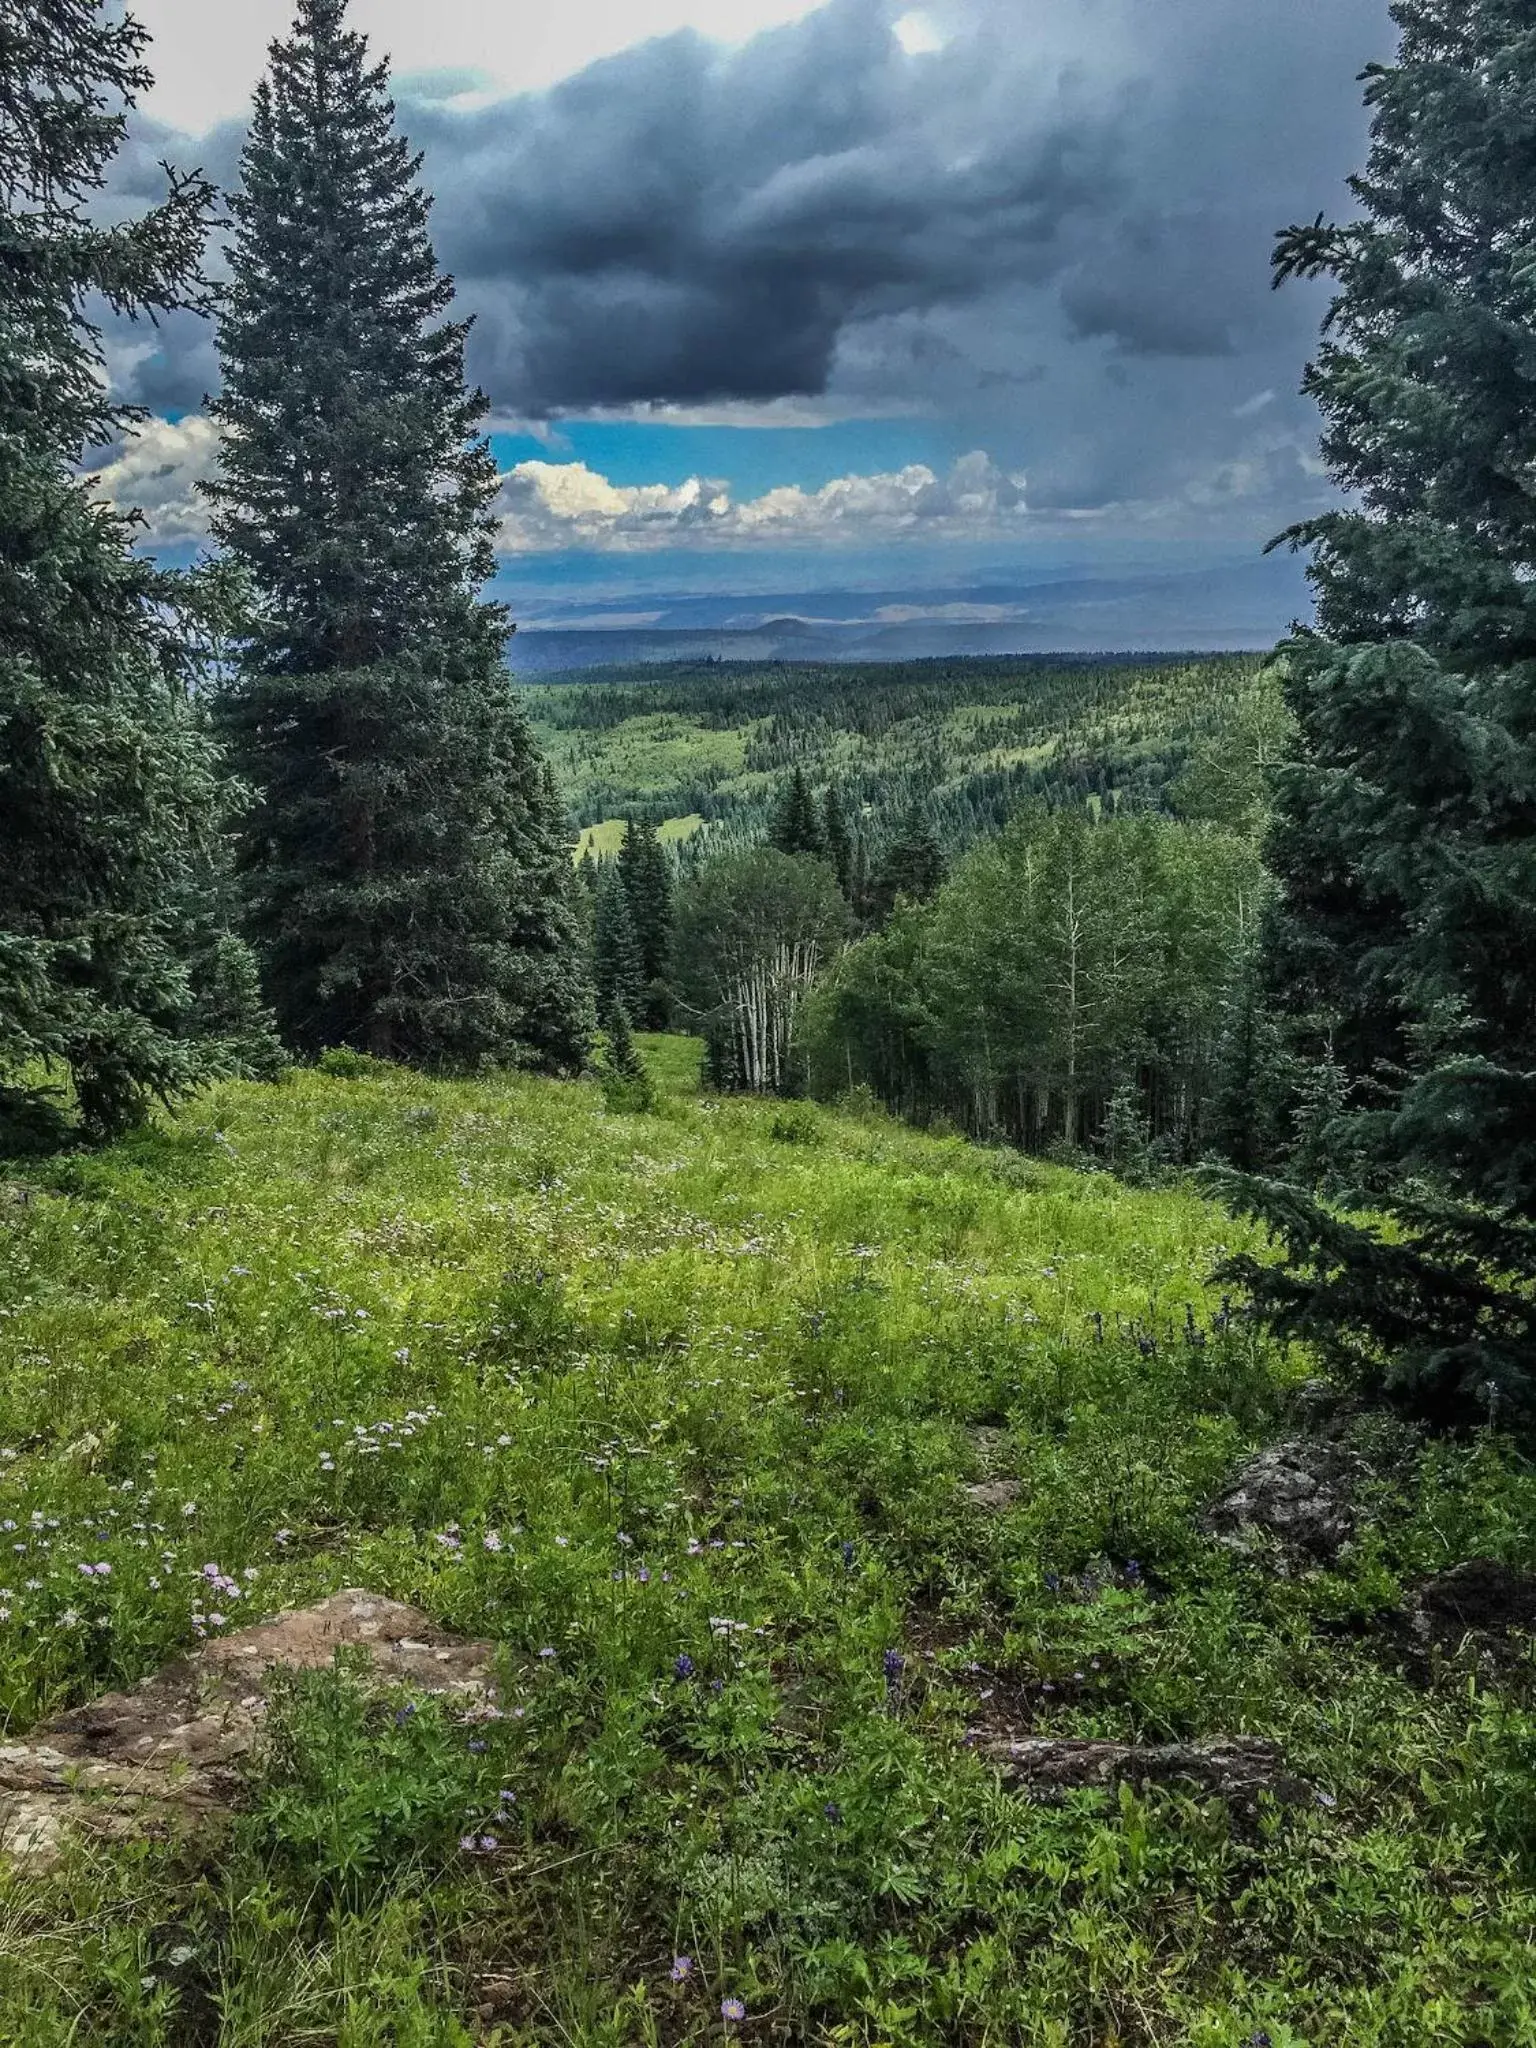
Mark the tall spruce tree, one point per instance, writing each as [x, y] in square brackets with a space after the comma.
[646, 874]
[1403, 948]
[405, 870]
[111, 963]
[617, 971]
[795, 826]
[836, 838]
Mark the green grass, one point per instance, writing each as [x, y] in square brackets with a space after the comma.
[604, 839]
[708, 1378]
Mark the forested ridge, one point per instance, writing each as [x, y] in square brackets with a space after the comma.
[967, 742]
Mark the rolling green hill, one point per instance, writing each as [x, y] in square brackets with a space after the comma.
[679, 1411]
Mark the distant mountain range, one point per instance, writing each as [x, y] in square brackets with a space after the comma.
[1243, 606]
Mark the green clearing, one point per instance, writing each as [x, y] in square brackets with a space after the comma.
[708, 1378]
[604, 839]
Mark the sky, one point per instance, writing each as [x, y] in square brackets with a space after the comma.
[775, 295]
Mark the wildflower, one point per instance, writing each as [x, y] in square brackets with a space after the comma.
[644, 1575]
[833, 1811]
[1132, 1572]
[403, 1714]
[1259, 2039]
[1052, 1582]
[562, 1543]
[506, 1796]
[848, 1556]
[68, 1618]
[682, 1969]
[894, 1664]
[492, 1541]
[477, 1749]
[732, 2009]
[684, 1667]
[546, 1652]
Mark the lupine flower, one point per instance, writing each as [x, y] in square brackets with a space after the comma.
[684, 1666]
[732, 2009]
[894, 1664]
[682, 1969]
[848, 1556]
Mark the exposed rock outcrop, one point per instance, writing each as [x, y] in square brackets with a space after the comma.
[1297, 1498]
[167, 1757]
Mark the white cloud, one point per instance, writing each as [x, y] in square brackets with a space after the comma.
[549, 506]
[546, 506]
[919, 35]
[156, 474]
[208, 54]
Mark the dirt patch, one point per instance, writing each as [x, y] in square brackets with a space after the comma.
[167, 1758]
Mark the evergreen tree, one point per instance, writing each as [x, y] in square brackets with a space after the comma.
[1403, 953]
[795, 827]
[617, 972]
[837, 839]
[405, 869]
[646, 874]
[909, 870]
[111, 796]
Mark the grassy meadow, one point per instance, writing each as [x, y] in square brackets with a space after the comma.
[678, 1409]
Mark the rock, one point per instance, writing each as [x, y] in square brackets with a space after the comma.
[995, 1496]
[991, 1452]
[1230, 1767]
[167, 1757]
[1297, 1495]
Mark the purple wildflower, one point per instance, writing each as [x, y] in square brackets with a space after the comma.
[895, 1664]
[833, 1811]
[546, 1652]
[848, 1556]
[732, 2009]
[684, 1667]
[682, 1969]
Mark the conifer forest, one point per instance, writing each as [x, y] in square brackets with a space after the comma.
[748, 1350]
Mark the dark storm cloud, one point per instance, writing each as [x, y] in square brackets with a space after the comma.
[684, 225]
[678, 224]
